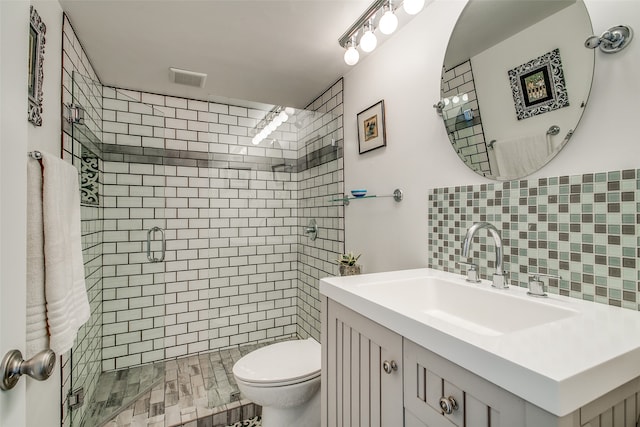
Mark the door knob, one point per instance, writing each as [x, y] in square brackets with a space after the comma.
[389, 366]
[39, 367]
[448, 404]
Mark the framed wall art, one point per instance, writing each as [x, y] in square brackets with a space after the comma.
[37, 29]
[371, 128]
[538, 86]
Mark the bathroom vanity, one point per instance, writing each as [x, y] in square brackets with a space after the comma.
[425, 348]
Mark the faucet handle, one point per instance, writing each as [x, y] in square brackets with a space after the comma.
[537, 286]
[472, 272]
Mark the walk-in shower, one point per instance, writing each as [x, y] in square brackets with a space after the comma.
[194, 235]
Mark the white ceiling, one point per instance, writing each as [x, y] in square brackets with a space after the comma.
[282, 52]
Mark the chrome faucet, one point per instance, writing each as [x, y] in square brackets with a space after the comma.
[499, 278]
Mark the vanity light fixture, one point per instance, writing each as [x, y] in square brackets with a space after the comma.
[351, 55]
[389, 21]
[366, 24]
[368, 42]
[413, 7]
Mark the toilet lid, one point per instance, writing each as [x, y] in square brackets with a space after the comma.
[286, 362]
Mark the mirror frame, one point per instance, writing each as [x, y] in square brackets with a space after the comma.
[464, 123]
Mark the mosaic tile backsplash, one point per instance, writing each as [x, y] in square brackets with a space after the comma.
[584, 228]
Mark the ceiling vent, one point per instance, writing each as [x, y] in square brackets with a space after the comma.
[188, 78]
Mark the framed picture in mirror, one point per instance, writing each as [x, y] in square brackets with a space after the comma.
[371, 128]
[37, 29]
[538, 86]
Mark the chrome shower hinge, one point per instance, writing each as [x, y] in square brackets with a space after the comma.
[75, 113]
[76, 398]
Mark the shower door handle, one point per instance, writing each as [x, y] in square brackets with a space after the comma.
[150, 257]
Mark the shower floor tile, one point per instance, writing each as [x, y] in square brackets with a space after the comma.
[194, 391]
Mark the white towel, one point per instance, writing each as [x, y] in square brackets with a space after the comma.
[519, 157]
[65, 290]
[37, 337]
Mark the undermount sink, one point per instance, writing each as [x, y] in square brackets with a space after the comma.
[475, 308]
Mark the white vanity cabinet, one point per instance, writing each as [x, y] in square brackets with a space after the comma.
[471, 401]
[357, 391]
[356, 388]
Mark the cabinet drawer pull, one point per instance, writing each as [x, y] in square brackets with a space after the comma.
[389, 367]
[448, 404]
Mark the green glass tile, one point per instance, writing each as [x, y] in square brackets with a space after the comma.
[587, 188]
[627, 185]
[613, 261]
[613, 176]
[576, 277]
[613, 229]
[586, 208]
[599, 271]
[615, 294]
[600, 177]
[629, 274]
[552, 217]
[613, 197]
[587, 238]
[600, 218]
[601, 280]
[553, 245]
[588, 298]
[628, 208]
[564, 256]
[628, 252]
[587, 268]
[553, 181]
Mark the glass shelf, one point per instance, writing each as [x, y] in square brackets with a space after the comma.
[397, 196]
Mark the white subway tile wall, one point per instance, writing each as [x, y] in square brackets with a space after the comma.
[231, 211]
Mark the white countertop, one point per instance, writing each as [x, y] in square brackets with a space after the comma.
[559, 366]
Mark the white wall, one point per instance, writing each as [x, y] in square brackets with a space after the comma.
[47, 138]
[14, 16]
[405, 72]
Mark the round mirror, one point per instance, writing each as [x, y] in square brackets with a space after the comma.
[515, 81]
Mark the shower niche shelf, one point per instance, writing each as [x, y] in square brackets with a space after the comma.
[397, 195]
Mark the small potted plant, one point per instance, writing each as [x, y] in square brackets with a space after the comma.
[347, 263]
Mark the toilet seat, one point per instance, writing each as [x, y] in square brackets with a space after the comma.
[280, 364]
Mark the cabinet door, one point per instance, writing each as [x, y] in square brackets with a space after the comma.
[356, 388]
[428, 378]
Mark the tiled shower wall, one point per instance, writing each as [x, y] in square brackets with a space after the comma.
[584, 228]
[232, 213]
[320, 179]
[86, 353]
[229, 276]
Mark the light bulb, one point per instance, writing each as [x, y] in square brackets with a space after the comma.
[413, 6]
[283, 116]
[465, 97]
[455, 99]
[351, 56]
[368, 42]
[255, 140]
[446, 101]
[289, 110]
[388, 23]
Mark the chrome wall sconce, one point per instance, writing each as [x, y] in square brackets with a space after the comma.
[611, 41]
[362, 33]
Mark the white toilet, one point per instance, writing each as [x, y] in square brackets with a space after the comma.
[283, 378]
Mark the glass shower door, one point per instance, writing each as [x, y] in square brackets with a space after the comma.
[125, 250]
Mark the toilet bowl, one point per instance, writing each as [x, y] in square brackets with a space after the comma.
[283, 378]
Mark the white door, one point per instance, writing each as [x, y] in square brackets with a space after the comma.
[14, 38]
